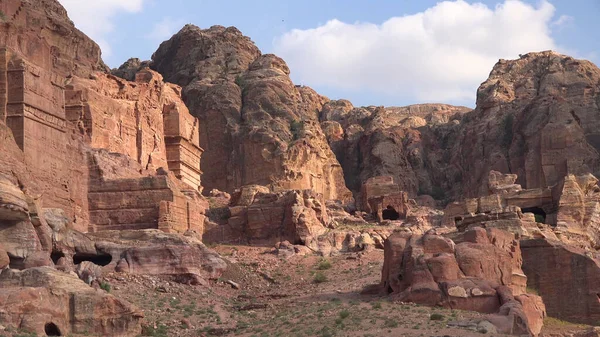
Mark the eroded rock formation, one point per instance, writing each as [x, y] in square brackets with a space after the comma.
[256, 126]
[480, 270]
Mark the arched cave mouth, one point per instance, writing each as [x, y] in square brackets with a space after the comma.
[52, 329]
[540, 214]
[99, 259]
[390, 213]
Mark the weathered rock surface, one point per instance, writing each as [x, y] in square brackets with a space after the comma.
[256, 126]
[566, 277]
[397, 142]
[130, 68]
[61, 112]
[260, 216]
[536, 117]
[44, 300]
[480, 270]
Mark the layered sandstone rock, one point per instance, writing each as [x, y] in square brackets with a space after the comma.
[382, 197]
[256, 126]
[536, 117]
[260, 216]
[153, 252]
[49, 302]
[397, 142]
[566, 277]
[480, 270]
[568, 211]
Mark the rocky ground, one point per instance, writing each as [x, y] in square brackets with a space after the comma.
[299, 296]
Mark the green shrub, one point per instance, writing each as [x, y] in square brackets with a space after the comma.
[320, 278]
[344, 314]
[296, 127]
[239, 81]
[159, 331]
[436, 317]
[539, 218]
[105, 286]
[324, 264]
[390, 323]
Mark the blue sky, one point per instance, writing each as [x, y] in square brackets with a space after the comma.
[370, 52]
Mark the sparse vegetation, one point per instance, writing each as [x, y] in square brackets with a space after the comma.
[239, 80]
[539, 218]
[531, 290]
[390, 323]
[320, 277]
[2, 16]
[324, 265]
[105, 286]
[296, 127]
[159, 331]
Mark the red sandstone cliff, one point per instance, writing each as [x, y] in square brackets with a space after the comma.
[256, 126]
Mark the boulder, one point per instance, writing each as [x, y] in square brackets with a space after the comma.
[63, 304]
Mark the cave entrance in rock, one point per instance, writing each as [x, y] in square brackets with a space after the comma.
[55, 256]
[390, 213]
[99, 259]
[52, 329]
[540, 214]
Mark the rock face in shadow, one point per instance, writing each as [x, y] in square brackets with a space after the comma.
[406, 143]
[567, 278]
[256, 126]
[480, 270]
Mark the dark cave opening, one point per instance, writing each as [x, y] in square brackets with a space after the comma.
[99, 259]
[540, 214]
[390, 213]
[55, 256]
[52, 330]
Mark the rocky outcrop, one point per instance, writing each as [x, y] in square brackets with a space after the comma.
[256, 126]
[480, 270]
[567, 211]
[260, 216]
[130, 68]
[60, 117]
[536, 117]
[53, 42]
[566, 277]
[401, 142]
[153, 252]
[52, 303]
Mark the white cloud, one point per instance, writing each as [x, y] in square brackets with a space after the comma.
[441, 54]
[94, 17]
[563, 20]
[164, 29]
